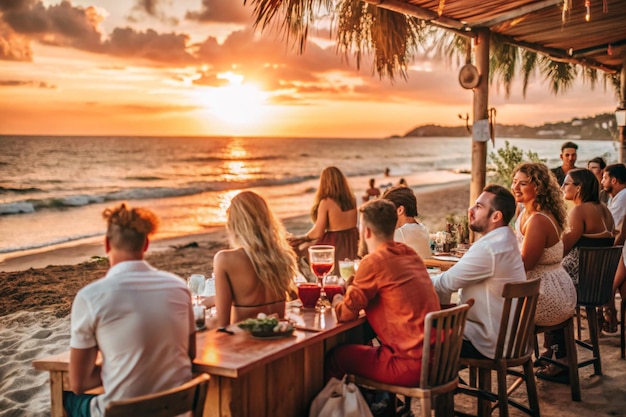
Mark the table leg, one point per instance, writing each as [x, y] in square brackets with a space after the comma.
[56, 394]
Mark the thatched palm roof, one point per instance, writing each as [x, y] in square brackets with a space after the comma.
[556, 28]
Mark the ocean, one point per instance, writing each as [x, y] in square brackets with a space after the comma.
[54, 189]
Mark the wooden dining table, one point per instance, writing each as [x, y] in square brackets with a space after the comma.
[250, 377]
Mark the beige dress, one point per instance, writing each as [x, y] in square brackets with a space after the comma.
[557, 294]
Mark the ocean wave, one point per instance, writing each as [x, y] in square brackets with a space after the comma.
[142, 193]
[144, 178]
[196, 159]
[5, 190]
[50, 243]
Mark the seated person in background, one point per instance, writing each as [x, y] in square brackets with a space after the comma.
[597, 165]
[402, 183]
[490, 263]
[334, 213]
[590, 222]
[372, 192]
[408, 229]
[257, 274]
[393, 287]
[136, 316]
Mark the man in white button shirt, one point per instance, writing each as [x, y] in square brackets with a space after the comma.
[491, 262]
[138, 317]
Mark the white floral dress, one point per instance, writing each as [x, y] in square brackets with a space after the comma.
[557, 294]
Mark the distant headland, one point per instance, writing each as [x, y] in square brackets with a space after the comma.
[598, 127]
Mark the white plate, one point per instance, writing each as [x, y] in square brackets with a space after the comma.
[446, 258]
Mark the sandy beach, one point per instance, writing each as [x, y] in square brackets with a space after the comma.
[36, 292]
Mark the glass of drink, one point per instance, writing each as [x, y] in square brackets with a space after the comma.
[322, 261]
[346, 269]
[199, 315]
[196, 284]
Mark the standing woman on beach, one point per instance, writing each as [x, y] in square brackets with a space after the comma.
[539, 227]
[334, 213]
[256, 275]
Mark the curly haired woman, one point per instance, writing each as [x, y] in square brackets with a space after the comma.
[539, 227]
[256, 275]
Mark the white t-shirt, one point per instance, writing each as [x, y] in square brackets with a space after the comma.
[140, 318]
[416, 236]
[491, 262]
[617, 207]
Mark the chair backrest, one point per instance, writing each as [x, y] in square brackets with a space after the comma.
[188, 397]
[516, 333]
[440, 361]
[596, 270]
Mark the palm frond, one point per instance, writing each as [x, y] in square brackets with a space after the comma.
[560, 75]
[530, 62]
[503, 61]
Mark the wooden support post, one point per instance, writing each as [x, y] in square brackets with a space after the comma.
[481, 112]
[621, 133]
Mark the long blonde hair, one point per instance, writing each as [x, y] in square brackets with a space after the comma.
[333, 185]
[252, 226]
[549, 196]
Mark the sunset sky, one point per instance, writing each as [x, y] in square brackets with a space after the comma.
[198, 67]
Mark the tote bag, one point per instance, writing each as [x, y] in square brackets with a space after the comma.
[339, 399]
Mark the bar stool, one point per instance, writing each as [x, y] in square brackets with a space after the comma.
[596, 271]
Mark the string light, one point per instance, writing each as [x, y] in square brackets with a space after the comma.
[566, 8]
[588, 6]
[609, 50]
[605, 6]
[442, 4]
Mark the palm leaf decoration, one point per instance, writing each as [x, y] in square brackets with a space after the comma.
[393, 39]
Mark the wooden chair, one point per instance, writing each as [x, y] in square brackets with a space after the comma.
[622, 317]
[596, 271]
[188, 397]
[440, 362]
[572, 355]
[514, 349]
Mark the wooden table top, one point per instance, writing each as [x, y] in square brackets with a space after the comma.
[233, 355]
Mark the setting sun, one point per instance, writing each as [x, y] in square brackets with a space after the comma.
[237, 102]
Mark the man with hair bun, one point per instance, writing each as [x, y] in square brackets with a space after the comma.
[138, 317]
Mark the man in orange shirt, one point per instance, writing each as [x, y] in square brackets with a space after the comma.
[394, 288]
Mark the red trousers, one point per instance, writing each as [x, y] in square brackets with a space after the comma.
[373, 362]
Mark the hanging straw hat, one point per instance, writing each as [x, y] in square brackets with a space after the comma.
[468, 76]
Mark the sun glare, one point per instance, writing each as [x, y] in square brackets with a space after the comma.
[238, 102]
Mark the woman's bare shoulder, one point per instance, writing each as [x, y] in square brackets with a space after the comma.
[230, 255]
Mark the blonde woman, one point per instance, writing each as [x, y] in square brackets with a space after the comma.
[334, 213]
[539, 227]
[256, 275]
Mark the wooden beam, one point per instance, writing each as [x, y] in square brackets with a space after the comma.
[621, 135]
[561, 56]
[518, 12]
[597, 49]
[419, 12]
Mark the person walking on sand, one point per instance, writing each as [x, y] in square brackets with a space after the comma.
[568, 156]
[136, 316]
[372, 192]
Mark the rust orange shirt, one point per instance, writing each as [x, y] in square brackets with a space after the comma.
[394, 288]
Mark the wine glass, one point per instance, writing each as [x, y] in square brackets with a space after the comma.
[196, 284]
[346, 269]
[322, 259]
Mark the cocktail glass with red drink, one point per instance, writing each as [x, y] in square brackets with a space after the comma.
[322, 261]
